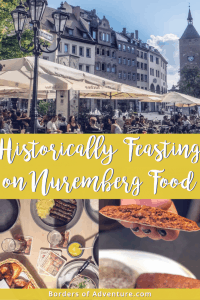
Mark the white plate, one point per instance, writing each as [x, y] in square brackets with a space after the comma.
[145, 262]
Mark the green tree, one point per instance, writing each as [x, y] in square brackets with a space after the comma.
[8, 40]
[189, 83]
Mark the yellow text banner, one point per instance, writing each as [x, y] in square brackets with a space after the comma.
[154, 294]
[100, 166]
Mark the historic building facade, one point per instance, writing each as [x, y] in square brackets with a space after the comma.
[189, 45]
[91, 45]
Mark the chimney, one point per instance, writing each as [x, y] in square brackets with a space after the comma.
[93, 12]
[124, 31]
[132, 35]
[77, 12]
[136, 34]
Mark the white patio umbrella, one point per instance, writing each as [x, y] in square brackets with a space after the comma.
[18, 73]
[180, 99]
[52, 76]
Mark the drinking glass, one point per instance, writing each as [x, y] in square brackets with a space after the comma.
[11, 245]
[54, 238]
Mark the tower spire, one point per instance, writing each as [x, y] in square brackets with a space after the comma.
[190, 19]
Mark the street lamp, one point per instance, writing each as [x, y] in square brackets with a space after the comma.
[35, 13]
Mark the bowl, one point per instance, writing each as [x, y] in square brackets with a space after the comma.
[75, 256]
[81, 276]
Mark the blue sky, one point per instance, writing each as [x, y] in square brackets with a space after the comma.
[160, 23]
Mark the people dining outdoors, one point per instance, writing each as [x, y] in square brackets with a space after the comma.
[73, 125]
[17, 121]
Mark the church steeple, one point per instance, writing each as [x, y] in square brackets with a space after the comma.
[190, 19]
[190, 32]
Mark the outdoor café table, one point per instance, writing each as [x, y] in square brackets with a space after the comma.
[85, 228]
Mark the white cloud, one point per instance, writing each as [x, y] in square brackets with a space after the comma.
[168, 46]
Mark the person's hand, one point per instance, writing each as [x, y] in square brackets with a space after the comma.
[149, 231]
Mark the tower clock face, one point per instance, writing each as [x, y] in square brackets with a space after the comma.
[190, 58]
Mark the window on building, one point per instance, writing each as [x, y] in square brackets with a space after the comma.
[98, 66]
[151, 71]
[113, 54]
[81, 51]
[142, 77]
[85, 35]
[157, 60]
[142, 66]
[88, 69]
[104, 37]
[145, 55]
[120, 60]
[103, 67]
[114, 69]
[103, 52]
[145, 78]
[145, 66]
[129, 76]
[98, 51]
[81, 67]
[133, 62]
[133, 76]
[100, 36]
[124, 75]
[124, 60]
[73, 49]
[138, 53]
[129, 62]
[70, 31]
[120, 47]
[142, 87]
[120, 74]
[141, 54]
[161, 63]
[108, 68]
[66, 48]
[138, 64]
[108, 52]
[94, 34]
[133, 50]
[158, 74]
[128, 48]
[107, 37]
[124, 47]
[138, 76]
[145, 88]
[88, 52]
[151, 58]
[45, 57]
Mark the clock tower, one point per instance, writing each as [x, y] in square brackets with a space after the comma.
[189, 45]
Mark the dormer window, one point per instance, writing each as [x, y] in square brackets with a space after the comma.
[94, 34]
[85, 35]
[70, 31]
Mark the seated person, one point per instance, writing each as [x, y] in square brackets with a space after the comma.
[142, 121]
[92, 126]
[186, 123]
[165, 121]
[115, 128]
[72, 124]
[63, 124]
[2, 130]
[132, 120]
[51, 126]
[40, 126]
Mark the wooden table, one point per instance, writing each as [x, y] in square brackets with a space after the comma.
[85, 229]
